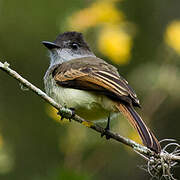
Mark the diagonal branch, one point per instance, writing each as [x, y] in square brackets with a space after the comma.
[164, 161]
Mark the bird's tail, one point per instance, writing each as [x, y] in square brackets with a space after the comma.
[148, 138]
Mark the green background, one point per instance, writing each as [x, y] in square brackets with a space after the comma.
[31, 139]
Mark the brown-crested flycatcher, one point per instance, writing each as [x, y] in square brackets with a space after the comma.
[78, 79]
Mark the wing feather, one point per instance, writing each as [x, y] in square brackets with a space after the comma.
[95, 77]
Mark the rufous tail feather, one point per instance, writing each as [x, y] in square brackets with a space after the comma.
[148, 138]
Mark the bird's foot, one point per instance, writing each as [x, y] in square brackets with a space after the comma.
[63, 116]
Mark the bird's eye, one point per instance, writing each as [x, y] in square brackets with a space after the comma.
[74, 46]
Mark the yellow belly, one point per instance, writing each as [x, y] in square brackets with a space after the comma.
[89, 105]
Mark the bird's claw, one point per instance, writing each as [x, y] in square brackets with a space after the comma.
[63, 117]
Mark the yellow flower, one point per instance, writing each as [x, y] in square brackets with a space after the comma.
[98, 13]
[116, 44]
[172, 35]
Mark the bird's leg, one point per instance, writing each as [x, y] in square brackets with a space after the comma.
[73, 113]
[107, 129]
[62, 114]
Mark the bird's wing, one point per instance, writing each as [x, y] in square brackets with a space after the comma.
[94, 74]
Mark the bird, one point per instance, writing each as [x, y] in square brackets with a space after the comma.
[78, 79]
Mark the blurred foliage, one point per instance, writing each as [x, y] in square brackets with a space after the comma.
[142, 38]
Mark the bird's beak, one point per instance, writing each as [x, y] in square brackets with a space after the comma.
[50, 45]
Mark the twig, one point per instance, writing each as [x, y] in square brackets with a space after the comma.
[156, 162]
